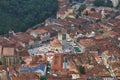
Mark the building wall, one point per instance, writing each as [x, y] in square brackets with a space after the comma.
[34, 34]
[45, 37]
[60, 36]
[10, 60]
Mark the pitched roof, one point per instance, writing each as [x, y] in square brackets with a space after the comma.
[26, 76]
[42, 31]
[87, 42]
[23, 37]
[55, 42]
[7, 51]
[95, 15]
[57, 62]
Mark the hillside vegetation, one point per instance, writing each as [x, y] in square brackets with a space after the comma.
[20, 15]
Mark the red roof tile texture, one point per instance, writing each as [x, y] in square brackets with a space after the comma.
[57, 62]
[8, 51]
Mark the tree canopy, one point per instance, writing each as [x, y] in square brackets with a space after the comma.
[106, 3]
[20, 15]
[43, 78]
[81, 8]
[82, 70]
[92, 9]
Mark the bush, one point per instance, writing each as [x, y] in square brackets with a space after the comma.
[82, 7]
[43, 78]
[82, 70]
[92, 9]
[101, 31]
[22, 62]
[0, 62]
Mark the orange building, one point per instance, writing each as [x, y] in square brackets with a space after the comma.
[57, 62]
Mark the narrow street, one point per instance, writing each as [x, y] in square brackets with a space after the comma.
[109, 68]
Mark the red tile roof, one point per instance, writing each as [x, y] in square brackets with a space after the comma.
[57, 62]
[87, 42]
[42, 31]
[98, 59]
[23, 37]
[7, 51]
[95, 15]
[55, 43]
[26, 76]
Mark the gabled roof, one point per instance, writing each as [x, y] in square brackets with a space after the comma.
[7, 51]
[95, 15]
[23, 37]
[57, 62]
[41, 31]
[26, 76]
[55, 43]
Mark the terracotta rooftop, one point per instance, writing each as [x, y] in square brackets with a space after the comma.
[8, 51]
[23, 37]
[95, 15]
[87, 42]
[26, 76]
[6, 42]
[57, 62]
[2, 67]
[55, 43]
[98, 59]
[67, 77]
[23, 53]
[114, 22]
[42, 31]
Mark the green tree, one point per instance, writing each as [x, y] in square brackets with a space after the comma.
[92, 9]
[86, 13]
[0, 62]
[70, 1]
[76, 16]
[22, 62]
[82, 70]
[43, 78]
[82, 7]
[101, 31]
[99, 2]
[103, 3]
[20, 15]
[108, 4]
